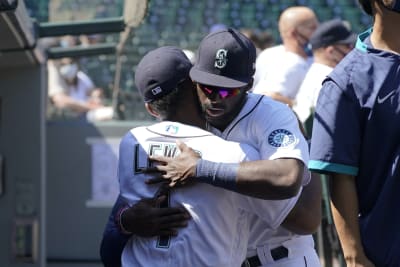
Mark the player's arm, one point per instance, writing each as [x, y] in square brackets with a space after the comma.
[62, 100]
[144, 219]
[267, 179]
[344, 204]
[113, 240]
[306, 215]
[270, 179]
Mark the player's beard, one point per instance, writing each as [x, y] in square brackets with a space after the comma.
[218, 116]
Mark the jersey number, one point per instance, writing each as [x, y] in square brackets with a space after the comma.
[163, 241]
[164, 149]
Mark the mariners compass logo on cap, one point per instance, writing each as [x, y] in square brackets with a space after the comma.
[225, 59]
[221, 58]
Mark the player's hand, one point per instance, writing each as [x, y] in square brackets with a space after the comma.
[364, 263]
[146, 219]
[361, 261]
[177, 170]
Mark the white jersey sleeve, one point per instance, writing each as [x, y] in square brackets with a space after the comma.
[271, 212]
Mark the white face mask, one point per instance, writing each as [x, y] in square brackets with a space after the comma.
[69, 71]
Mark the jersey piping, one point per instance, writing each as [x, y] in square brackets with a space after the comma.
[244, 116]
[317, 165]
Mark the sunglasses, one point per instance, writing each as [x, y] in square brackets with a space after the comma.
[222, 92]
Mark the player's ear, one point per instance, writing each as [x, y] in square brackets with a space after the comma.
[151, 110]
[330, 49]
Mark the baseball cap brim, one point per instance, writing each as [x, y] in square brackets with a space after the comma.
[207, 78]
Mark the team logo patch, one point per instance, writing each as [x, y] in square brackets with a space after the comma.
[221, 58]
[156, 90]
[280, 138]
[171, 129]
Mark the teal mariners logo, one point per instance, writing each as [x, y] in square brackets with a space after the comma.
[280, 138]
[172, 129]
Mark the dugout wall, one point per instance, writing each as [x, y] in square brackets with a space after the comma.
[22, 140]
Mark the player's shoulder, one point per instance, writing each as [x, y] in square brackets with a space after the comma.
[221, 150]
[262, 112]
[176, 129]
[355, 67]
[264, 105]
[270, 52]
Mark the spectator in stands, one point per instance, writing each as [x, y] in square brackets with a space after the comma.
[217, 27]
[281, 69]
[355, 139]
[73, 92]
[261, 40]
[252, 35]
[265, 40]
[330, 43]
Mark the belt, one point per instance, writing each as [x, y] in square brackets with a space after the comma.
[276, 253]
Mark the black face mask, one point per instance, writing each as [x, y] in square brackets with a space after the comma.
[394, 7]
[341, 53]
[306, 45]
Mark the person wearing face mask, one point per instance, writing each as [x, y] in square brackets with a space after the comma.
[355, 140]
[330, 43]
[281, 69]
[72, 91]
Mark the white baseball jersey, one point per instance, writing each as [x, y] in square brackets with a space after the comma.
[272, 128]
[264, 59]
[280, 71]
[307, 96]
[218, 232]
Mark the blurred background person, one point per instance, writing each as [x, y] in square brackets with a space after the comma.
[281, 69]
[260, 39]
[73, 93]
[265, 39]
[217, 27]
[355, 140]
[330, 43]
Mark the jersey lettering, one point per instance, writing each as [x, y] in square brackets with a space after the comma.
[142, 162]
[163, 149]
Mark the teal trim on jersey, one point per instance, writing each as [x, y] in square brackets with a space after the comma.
[360, 45]
[316, 165]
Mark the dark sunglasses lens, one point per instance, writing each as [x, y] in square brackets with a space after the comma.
[223, 92]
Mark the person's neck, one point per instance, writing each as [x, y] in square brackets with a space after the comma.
[385, 34]
[324, 61]
[295, 48]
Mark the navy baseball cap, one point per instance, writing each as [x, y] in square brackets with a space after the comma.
[160, 71]
[225, 58]
[332, 32]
